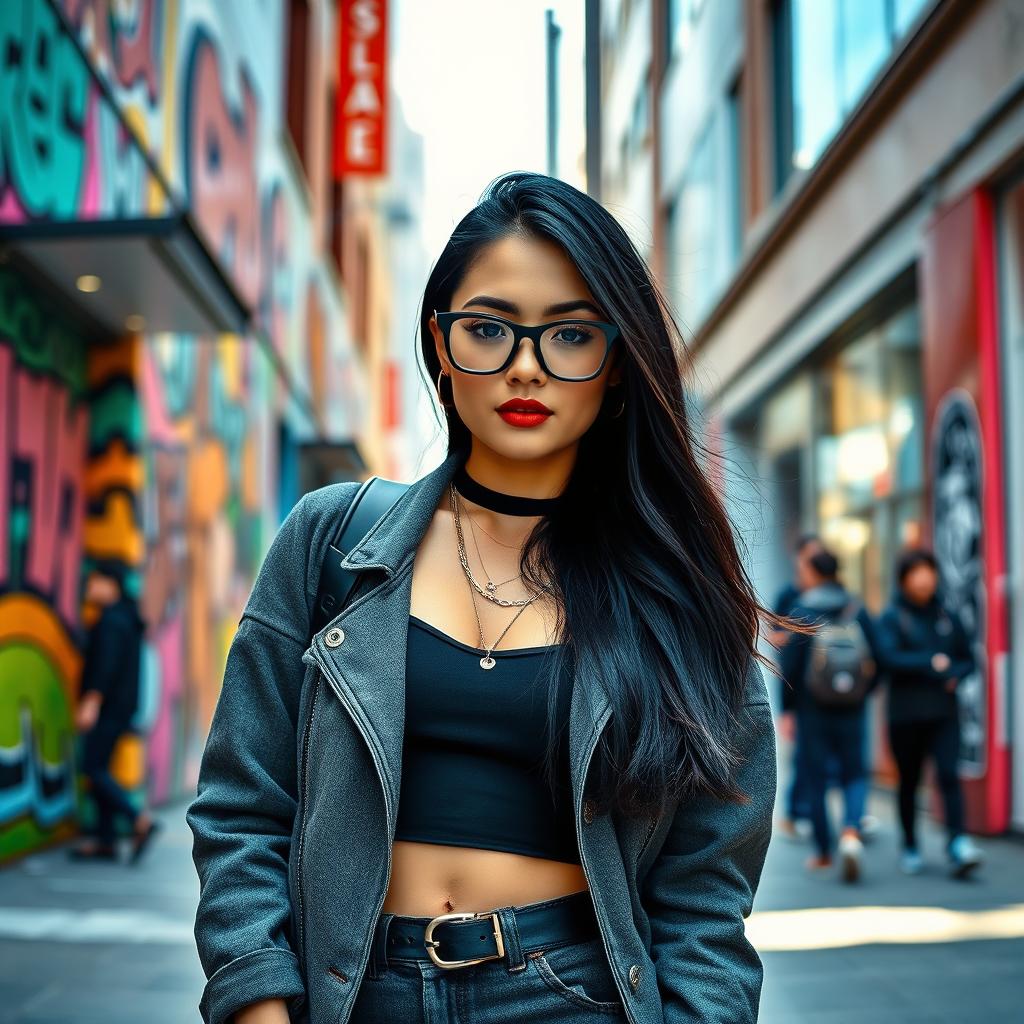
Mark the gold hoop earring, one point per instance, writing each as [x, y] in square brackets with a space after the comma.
[440, 400]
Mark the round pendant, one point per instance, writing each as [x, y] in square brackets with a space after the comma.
[491, 586]
[487, 661]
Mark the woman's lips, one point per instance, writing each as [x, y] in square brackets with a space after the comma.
[521, 418]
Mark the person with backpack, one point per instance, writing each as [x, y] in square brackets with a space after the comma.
[830, 674]
[926, 654]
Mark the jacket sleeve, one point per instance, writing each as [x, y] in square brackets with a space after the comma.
[701, 887]
[896, 659]
[106, 651]
[961, 653]
[244, 810]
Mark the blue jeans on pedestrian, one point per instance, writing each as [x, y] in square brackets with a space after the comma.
[568, 982]
[826, 735]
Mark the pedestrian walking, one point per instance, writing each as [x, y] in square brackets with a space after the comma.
[797, 807]
[527, 773]
[831, 674]
[926, 654]
[109, 699]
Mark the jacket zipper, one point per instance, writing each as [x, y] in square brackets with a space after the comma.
[597, 903]
[336, 688]
[302, 826]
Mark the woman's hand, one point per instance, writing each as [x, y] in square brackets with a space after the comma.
[266, 1011]
[940, 662]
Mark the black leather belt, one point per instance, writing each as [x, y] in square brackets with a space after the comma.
[463, 938]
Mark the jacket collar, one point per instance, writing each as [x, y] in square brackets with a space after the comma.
[398, 534]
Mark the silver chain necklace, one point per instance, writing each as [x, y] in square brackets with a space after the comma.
[487, 593]
[486, 662]
[490, 584]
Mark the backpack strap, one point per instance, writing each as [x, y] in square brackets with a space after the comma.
[375, 497]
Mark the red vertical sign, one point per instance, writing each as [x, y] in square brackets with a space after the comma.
[962, 394]
[360, 129]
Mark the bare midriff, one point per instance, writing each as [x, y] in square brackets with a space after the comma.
[428, 879]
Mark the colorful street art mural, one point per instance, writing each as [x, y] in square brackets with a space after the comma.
[44, 429]
[65, 151]
[159, 450]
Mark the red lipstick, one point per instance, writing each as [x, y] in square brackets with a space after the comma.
[523, 412]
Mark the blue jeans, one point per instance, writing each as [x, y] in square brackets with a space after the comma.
[824, 736]
[564, 983]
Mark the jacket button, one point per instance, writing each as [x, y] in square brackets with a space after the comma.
[588, 811]
[334, 637]
[634, 977]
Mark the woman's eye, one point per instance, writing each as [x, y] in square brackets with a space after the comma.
[576, 335]
[487, 331]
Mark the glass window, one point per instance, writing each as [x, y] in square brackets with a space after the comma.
[691, 233]
[869, 451]
[815, 97]
[826, 54]
[864, 45]
[906, 12]
[704, 221]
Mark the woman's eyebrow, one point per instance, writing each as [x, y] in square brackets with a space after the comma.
[510, 307]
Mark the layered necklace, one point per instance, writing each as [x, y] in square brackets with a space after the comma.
[496, 501]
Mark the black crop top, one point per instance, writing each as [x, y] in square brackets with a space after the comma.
[472, 761]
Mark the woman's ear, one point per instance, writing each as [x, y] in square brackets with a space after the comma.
[442, 356]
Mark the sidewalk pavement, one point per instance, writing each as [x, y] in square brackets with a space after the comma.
[102, 943]
[109, 944]
[891, 949]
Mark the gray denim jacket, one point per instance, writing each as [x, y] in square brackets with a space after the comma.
[299, 784]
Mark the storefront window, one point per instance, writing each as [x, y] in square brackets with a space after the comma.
[868, 452]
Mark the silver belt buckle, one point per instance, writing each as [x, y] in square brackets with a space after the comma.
[465, 915]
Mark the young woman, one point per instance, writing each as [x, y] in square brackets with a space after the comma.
[927, 653]
[527, 774]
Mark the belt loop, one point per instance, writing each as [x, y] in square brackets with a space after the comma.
[379, 954]
[510, 935]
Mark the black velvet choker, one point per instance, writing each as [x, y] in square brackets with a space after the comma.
[499, 501]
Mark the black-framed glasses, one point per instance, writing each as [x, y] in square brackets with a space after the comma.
[573, 350]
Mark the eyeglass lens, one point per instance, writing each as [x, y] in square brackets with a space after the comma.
[569, 349]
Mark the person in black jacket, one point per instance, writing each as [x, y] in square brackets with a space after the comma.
[926, 654]
[829, 732]
[797, 806]
[109, 699]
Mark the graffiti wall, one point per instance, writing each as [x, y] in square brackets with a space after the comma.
[203, 536]
[65, 151]
[160, 451]
[44, 431]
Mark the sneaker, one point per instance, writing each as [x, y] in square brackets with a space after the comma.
[850, 851]
[911, 862]
[870, 826]
[964, 856]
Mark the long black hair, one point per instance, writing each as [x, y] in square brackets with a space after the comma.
[653, 602]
